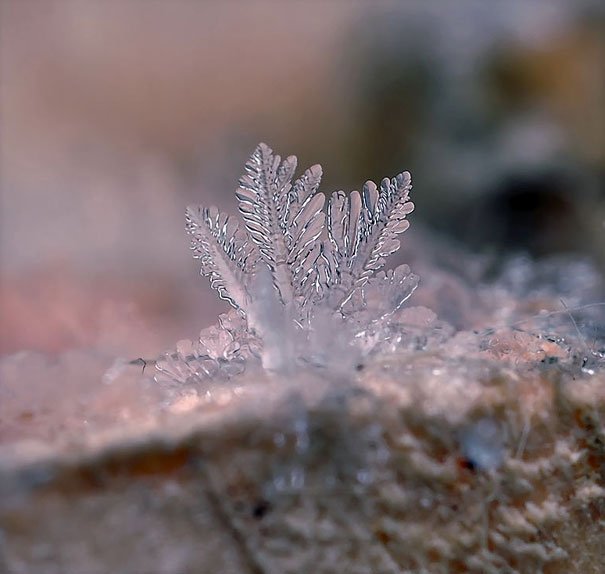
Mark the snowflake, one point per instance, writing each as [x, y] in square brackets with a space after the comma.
[303, 283]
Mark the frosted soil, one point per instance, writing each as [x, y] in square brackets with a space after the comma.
[448, 448]
[549, 313]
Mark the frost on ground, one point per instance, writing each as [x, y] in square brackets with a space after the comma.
[323, 425]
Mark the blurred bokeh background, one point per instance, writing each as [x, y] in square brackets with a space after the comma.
[114, 115]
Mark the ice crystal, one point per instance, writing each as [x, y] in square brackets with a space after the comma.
[304, 283]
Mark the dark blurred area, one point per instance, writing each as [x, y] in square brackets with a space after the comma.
[116, 115]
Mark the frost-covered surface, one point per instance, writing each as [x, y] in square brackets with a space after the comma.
[515, 318]
[449, 452]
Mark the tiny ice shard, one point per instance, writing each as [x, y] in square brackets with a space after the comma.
[483, 445]
[292, 269]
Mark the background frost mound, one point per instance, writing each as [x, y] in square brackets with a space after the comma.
[306, 285]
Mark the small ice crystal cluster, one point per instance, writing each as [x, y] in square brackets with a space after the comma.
[306, 284]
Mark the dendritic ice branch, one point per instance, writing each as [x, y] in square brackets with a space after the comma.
[304, 282]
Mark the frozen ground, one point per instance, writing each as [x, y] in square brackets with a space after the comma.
[469, 440]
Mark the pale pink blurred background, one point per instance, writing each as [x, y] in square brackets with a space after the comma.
[116, 115]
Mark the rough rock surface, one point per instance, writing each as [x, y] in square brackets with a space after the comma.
[420, 462]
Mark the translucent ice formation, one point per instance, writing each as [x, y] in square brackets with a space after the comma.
[303, 282]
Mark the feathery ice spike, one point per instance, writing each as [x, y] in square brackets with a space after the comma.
[320, 264]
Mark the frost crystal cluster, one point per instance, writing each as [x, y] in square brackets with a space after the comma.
[306, 283]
